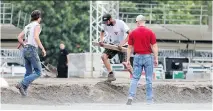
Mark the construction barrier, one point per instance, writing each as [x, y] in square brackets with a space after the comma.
[198, 70]
[3, 83]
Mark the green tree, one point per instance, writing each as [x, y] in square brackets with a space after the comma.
[170, 12]
[127, 6]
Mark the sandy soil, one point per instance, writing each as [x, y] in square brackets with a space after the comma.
[52, 91]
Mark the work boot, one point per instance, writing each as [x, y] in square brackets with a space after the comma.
[111, 76]
[21, 89]
[129, 102]
[25, 90]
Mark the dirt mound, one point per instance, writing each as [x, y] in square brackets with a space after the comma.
[105, 93]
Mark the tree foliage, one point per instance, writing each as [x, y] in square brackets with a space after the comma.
[170, 12]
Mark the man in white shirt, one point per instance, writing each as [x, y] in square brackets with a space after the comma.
[30, 51]
[115, 30]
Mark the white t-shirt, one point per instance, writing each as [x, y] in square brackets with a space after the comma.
[29, 33]
[115, 34]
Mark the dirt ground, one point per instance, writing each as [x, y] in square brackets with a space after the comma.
[55, 91]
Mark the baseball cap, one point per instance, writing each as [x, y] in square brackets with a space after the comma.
[105, 18]
[140, 18]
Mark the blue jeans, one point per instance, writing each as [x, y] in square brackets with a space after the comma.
[140, 62]
[32, 62]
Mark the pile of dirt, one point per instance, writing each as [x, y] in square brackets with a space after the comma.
[105, 93]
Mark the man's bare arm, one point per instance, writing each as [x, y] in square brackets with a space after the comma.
[21, 37]
[129, 50]
[36, 36]
[155, 50]
[102, 36]
[126, 40]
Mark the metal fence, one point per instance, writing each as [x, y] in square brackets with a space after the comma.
[155, 13]
[8, 16]
[11, 55]
[185, 53]
[166, 14]
[6, 13]
[23, 19]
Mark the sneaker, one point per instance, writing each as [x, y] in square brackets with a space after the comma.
[111, 77]
[25, 90]
[149, 102]
[21, 89]
[129, 102]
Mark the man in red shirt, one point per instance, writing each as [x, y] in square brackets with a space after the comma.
[143, 41]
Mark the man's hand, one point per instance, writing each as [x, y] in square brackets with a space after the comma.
[101, 43]
[43, 52]
[120, 47]
[127, 65]
[122, 43]
[155, 62]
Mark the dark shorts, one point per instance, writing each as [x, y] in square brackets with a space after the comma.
[112, 53]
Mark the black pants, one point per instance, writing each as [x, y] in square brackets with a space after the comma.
[62, 71]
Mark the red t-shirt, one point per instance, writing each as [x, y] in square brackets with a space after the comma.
[141, 39]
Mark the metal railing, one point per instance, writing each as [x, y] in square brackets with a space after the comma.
[185, 53]
[23, 19]
[6, 13]
[166, 14]
[9, 17]
[11, 55]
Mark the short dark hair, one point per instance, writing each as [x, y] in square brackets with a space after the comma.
[35, 15]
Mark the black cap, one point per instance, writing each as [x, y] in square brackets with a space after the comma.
[105, 18]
